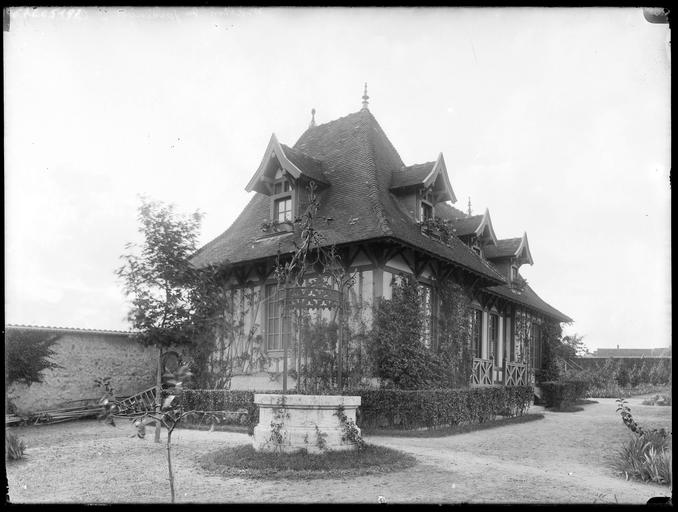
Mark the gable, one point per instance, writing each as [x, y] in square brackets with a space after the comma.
[279, 160]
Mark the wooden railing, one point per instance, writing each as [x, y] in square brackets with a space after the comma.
[570, 364]
[140, 403]
[482, 372]
[515, 374]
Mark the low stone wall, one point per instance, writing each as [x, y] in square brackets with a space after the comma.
[85, 356]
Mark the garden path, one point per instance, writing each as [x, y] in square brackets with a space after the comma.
[563, 458]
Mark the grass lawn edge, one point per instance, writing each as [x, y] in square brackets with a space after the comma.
[236, 461]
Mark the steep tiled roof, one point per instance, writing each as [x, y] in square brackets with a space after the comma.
[448, 212]
[528, 297]
[411, 175]
[504, 248]
[358, 161]
[467, 225]
[311, 167]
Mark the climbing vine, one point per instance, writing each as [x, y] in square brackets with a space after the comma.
[400, 356]
[278, 433]
[351, 432]
[313, 281]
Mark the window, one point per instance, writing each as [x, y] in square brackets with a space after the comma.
[426, 211]
[282, 209]
[493, 336]
[476, 326]
[426, 306]
[276, 327]
[514, 272]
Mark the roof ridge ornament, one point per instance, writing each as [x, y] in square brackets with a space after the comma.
[365, 98]
[312, 118]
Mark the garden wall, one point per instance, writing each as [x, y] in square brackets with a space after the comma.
[592, 363]
[85, 355]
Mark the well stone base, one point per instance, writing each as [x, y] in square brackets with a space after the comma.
[291, 423]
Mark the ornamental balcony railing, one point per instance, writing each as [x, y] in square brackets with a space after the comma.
[515, 374]
[482, 372]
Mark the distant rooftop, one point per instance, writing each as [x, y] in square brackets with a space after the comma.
[66, 329]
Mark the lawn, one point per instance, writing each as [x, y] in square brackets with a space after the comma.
[562, 458]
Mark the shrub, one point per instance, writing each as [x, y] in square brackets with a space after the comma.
[14, 447]
[405, 409]
[217, 401]
[658, 400]
[389, 408]
[622, 376]
[646, 457]
[606, 391]
[28, 354]
[561, 395]
[397, 348]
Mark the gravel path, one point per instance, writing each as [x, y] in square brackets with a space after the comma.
[564, 458]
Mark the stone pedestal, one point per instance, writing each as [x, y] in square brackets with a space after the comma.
[290, 423]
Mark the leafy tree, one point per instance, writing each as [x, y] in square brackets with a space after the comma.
[573, 346]
[27, 354]
[158, 278]
[172, 303]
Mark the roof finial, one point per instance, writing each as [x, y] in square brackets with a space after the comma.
[312, 118]
[365, 97]
[469, 206]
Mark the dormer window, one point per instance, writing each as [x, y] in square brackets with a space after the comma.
[514, 272]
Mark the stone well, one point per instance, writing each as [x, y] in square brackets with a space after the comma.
[299, 415]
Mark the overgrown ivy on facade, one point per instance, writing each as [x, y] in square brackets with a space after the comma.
[402, 359]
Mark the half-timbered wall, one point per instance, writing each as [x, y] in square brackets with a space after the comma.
[504, 331]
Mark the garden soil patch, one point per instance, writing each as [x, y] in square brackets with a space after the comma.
[563, 458]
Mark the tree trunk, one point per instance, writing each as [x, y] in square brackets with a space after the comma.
[158, 395]
[169, 463]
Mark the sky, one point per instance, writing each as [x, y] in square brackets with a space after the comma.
[556, 120]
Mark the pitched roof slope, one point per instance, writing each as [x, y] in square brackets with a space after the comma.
[529, 298]
[504, 247]
[358, 161]
[411, 175]
[309, 166]
[449, 212]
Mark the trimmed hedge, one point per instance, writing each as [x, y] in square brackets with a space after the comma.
[224, 400]
[387, 408]
[406, 410]
[562, 394]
